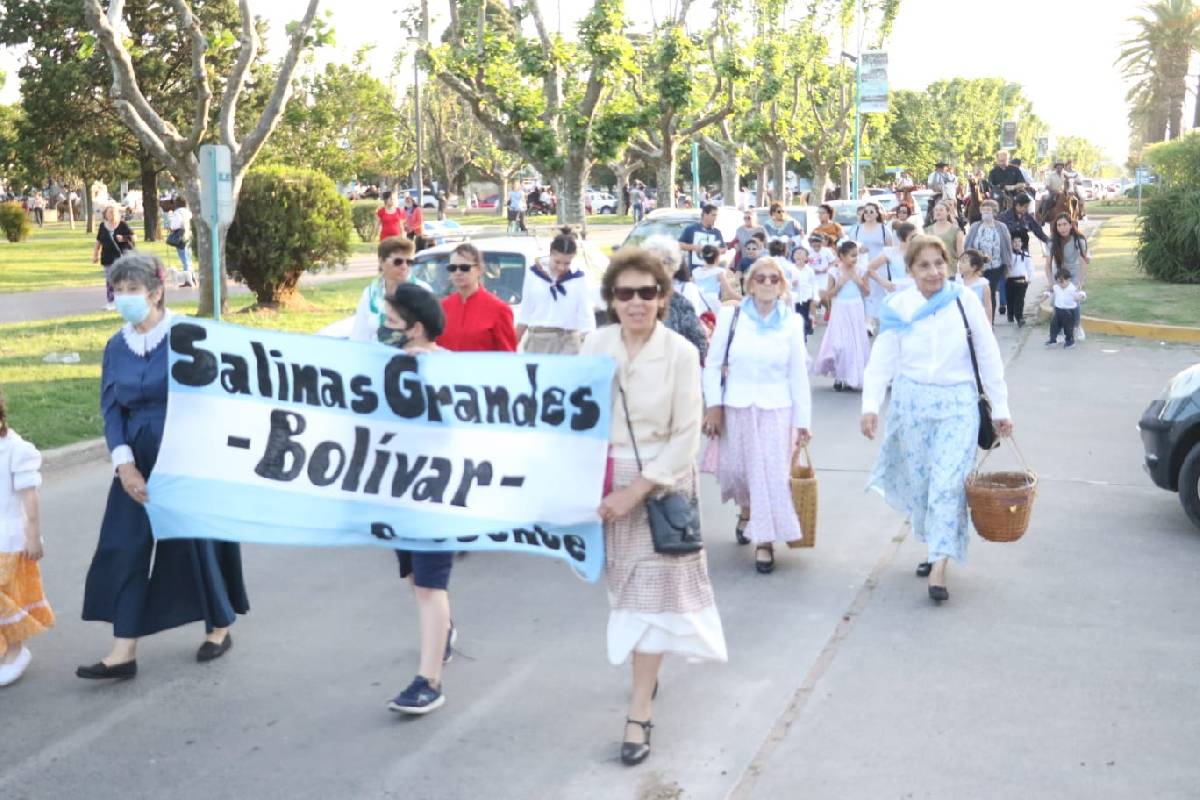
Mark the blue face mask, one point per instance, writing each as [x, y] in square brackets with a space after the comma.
[133, 308]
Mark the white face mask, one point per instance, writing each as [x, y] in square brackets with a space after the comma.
[987, 216]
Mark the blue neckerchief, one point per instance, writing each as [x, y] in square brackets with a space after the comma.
[890, 319]
[556, 287]
[774, 319]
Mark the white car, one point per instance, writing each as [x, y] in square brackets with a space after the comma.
[505, 262]
[603, 203]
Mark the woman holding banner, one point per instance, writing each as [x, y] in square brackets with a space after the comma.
[413, 319]
[191, 580]
[660, 603]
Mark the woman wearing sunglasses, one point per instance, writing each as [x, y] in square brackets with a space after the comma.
[395, 268]
[760, 406]
[476, 320]
[659, 603]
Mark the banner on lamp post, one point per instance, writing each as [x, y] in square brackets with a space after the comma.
[873, 82]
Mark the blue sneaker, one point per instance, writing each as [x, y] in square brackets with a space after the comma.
[451, 638]
[419, 698]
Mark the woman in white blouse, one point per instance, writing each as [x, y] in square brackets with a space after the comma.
[759, 404]
[556, 304]
[933, 418]
[660, 603]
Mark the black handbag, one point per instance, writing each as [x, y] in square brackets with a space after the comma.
[175, 238]
[674, 517]
[988, 438]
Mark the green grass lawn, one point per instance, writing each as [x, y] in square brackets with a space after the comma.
[1117, 289]
[58, 404]
[56, 257]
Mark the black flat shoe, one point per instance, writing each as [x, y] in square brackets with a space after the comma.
[764, 567]
[634, 753]
[102, 671]
[838, 386]
[938, 594]
[209, 650]
[924, 568]
[740, 531]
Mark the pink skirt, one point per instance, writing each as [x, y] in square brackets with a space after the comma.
[754, 468]
[845, 348]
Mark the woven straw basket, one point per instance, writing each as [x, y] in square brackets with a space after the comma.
[1001, 502]
[804, 498]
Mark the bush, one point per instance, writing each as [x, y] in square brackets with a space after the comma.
[366, 222]
[14, 223]
[289, 221]
[1177, 162]
[1169, 236]
[1148, 191]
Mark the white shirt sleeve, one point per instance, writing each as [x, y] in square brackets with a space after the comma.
[987, 352]
[881, 368]
[366, 324]
[528, 303]
[711, 376]
[798, 376]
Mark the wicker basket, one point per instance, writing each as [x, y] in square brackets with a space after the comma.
[804, 498]
[1001, 502]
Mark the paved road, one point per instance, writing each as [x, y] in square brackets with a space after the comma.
[1063, 666]
[34, 306]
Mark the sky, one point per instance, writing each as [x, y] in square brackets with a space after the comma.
[1082, 95]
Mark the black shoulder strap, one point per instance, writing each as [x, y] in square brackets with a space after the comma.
[737, 310]
[971, 347]
[629, 424]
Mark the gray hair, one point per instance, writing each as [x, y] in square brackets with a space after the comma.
[142, 270]
[666, 249]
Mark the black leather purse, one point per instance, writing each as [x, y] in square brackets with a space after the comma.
[988, 438]
[674, 517]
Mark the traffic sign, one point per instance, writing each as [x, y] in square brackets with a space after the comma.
[216, 185]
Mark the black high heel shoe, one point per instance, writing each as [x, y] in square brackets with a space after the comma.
[924, 568]
[764, 567]
[938, 594]
[740, 530]
[634, 753]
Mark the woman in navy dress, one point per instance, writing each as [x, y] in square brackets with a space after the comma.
[192, 580]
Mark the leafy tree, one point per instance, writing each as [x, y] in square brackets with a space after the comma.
[1157, 60]
[293, 221]
[164, 139]
[1086, 155]
[555, 103]
[346, 123]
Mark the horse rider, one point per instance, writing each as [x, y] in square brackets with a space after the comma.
[1073, 184]
[1056, 184]
[1018, 219]
[943, 183]
[1006, 180]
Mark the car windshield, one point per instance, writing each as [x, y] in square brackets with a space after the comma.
[672, 229]
[503, 274]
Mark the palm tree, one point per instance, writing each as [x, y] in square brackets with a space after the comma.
[1157, 59]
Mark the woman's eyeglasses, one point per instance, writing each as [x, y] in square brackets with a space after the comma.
[626, 293]
[399, 262]
[771, 279]
[459, 267]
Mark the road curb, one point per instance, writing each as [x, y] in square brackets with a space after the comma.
[73, 455]
[1142, 330]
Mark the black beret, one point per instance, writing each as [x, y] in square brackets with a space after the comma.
[422, 305]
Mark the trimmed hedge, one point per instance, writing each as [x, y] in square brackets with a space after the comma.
[14, 223]
[1169, 235]
[289, 221]
[366, 220]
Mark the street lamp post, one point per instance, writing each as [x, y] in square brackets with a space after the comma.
[857, 120]
[415, 41]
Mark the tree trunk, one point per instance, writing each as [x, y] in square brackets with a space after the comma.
[760, 197]
[623, 169]
[149, 172]
[779, 169]
[571, 208]
[664, 171]
[728, 159]
[847, 181]
[1196, 112]
[820, 183]
[89, 213]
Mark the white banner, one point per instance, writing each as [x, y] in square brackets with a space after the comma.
[873, 82]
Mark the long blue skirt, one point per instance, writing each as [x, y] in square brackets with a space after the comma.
[929, 443]
[192, 580]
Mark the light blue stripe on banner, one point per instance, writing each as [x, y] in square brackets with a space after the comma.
[457, 380]
[580, 546]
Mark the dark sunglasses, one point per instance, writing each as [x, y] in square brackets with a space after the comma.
[396, 262]
[459, 267]
[626, 293]
[760, 278]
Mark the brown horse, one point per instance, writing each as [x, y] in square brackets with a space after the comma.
[974, 201]
[1060, 203]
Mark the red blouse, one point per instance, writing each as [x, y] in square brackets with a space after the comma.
[414, 222]
[482, 322]
[390, 223]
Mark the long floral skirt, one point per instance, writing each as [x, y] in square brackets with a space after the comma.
[753, 470]
[659, 603]
[929, 442]
[845, 348]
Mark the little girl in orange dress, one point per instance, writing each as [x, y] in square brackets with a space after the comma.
[24, 611]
